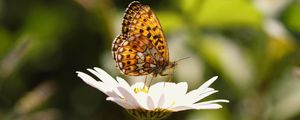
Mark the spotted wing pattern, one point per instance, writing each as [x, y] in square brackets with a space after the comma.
[141, 49]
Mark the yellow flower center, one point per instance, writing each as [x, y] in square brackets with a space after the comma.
[143, 89]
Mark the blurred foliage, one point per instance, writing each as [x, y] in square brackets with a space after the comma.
[252, 45]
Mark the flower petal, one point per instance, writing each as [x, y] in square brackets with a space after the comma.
[181, 88]
[198, 92]
[170, 93]
[120, 102]
[102, 75]
[208, 93]
[129, 96]
[123, 83]
[161, 101]
[89, 80]
[155, 92]
[196, 106]
[207, 83]
[179, 94]
[208, 106]
[150, 103]
[109, 82]
[214, 101]
[96, 84]
[190, 99]
[141, 98]
[181, 108]
[204, 88]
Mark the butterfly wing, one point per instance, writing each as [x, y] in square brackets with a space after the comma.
[134, 56]
[141, 48]
[140, 19]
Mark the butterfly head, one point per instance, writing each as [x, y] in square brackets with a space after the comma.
[162, 71]
[171, 65]
[174, 64]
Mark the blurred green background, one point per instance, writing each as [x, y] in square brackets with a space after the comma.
[252, 45]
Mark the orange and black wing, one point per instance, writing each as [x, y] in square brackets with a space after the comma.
[141, 47]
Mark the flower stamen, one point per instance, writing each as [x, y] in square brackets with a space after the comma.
[142, 89]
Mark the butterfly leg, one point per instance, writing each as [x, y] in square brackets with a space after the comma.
[150, 81]
[163, 74]
[145, 82]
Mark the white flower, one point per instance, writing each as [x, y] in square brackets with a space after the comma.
[162, 97]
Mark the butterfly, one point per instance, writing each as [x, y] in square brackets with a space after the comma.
[141, 48]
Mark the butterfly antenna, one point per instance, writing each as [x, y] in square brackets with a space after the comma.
[182, 59]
